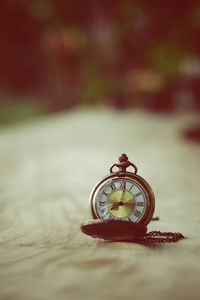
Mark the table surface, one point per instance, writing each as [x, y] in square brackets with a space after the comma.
[48, 168]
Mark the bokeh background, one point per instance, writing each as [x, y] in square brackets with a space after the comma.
[59, 54]
[81, 82]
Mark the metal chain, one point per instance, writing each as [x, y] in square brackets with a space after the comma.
[161, 237]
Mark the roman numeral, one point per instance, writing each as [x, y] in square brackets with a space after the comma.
[113, 187]
[105, 214]
[102, 203]
[110, 217]
[123, 185]
[139, 203]
[138, 194]
[103, 210]
[131, 186]
[137, 213]
[104, 193]
[129, 219]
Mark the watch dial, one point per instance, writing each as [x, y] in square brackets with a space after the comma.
[121, 199]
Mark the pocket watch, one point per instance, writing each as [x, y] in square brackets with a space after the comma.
[123, 195]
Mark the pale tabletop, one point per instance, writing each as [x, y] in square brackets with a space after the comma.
[47, 170]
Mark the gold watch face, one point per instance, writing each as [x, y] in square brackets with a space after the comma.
[121, 203]
[122, 198]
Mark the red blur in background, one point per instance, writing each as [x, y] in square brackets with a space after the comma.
[121, 53]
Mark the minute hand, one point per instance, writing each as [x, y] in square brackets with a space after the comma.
[123, 195]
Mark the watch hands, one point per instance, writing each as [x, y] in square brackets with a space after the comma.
[116, 204]
[123, 195]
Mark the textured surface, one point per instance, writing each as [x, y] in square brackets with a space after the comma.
[47, 171]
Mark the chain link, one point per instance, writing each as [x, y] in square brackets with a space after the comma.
[161, 237]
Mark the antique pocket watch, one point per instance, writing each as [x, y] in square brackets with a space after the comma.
[123, 195]
[122, 205]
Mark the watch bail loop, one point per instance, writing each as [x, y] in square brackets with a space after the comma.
[123, 164]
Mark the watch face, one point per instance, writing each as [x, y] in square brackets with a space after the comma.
[121, 198]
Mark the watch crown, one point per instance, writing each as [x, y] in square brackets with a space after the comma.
[122, 164]
[123, 158]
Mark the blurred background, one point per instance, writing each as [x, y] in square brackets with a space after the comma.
[59, 54]
[98, 78]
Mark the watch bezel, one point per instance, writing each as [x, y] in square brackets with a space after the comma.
[149, 195]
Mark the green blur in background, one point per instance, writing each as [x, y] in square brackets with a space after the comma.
[57, 55]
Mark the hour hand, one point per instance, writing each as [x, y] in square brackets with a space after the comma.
[115, 206]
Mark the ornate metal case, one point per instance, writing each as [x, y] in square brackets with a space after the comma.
[123, 195]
